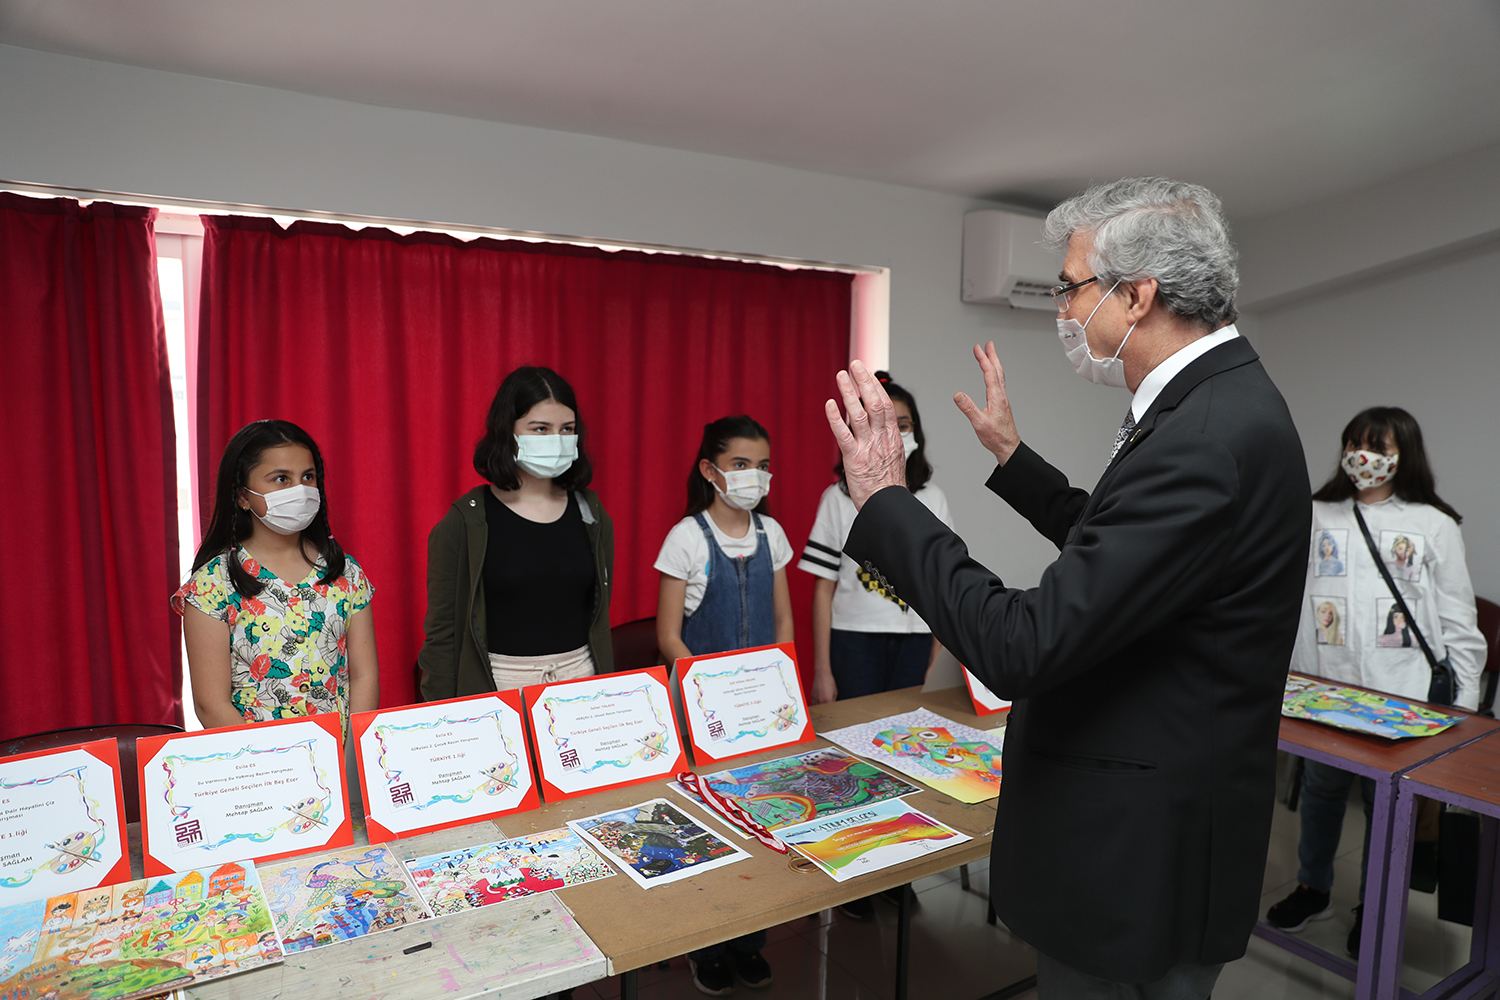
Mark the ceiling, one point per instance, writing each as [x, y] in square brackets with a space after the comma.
[1273, 103]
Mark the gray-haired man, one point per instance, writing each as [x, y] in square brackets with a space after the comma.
[1147, 666]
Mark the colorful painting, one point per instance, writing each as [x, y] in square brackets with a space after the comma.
[1361, 711]
[336, 897]
[807, 786]
[492, 873]
[137, 939]
[950, 757]
[866, 840]
[655, 842]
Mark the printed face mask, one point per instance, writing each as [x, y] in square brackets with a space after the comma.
[1075, 341]
[908, 443]
[744, 488]
[1368, 469]
[290, 510]
[546, 456]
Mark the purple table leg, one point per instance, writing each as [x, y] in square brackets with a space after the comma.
[1382, 940]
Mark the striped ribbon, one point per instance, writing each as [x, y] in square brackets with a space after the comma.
[731, 810]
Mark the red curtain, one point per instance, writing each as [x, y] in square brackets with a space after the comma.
[88, 540]
[388, 349]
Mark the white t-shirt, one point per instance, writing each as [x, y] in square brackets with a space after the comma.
[855, 608]
[685, 553]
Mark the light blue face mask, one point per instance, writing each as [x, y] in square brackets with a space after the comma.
[1075, 341]
[546, 456]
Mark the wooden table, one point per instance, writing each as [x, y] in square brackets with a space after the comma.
[764, 891]
[1384, 761]
[1468, 777]
[472, 953]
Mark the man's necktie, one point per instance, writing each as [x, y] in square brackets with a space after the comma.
[1122, 436]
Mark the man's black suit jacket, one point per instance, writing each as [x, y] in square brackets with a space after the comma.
[1147, 670]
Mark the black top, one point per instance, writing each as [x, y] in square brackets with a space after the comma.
[538, 581]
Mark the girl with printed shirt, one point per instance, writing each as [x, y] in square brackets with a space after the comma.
[866, 641]
[723, 587]
[1383, 469]
[518, 571]
[275, 614]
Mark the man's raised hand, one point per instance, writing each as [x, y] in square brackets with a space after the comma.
[870, 441]
[993, 425]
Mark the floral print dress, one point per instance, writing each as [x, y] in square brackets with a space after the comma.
[287, 644]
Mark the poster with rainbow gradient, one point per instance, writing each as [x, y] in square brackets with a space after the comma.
[867, 840]
[955, 759]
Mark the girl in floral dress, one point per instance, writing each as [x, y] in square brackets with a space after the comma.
[275, 612]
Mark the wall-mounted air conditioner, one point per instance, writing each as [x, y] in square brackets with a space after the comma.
[1004, 261]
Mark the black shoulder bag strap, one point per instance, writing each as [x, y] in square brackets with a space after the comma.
[1444, 687]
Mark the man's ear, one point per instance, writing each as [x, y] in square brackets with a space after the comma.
[1139, 297]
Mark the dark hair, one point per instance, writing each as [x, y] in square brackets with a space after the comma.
[1390, 623]
[232, 524]
[495, 455]
[1414, 480]
[918, 469]
[716, 438]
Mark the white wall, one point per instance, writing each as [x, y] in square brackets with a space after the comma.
[94, 125]
[1426, 339]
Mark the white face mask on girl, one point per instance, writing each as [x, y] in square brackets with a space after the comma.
[290, 510]
[908, 443]
[546, 456]
[1075, 341]
[1368, 469]
[744, 488]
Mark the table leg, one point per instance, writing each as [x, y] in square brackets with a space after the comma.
[903, 940]
[1380, 946]
[629, 987]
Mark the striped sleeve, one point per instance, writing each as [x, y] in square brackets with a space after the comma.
[821, 555]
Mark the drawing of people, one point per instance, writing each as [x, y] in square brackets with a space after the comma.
[1404, 558]
[1330, 624]
[1329, 563]
[1397, 631]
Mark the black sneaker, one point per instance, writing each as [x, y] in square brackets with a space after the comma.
[861, 910]
[1304, 904]
[751, 969]
[713, 978]
[1352, 945]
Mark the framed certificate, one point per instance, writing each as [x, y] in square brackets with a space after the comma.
[985, 701]
[62, 822]
[443, 764]
[743, 701]
[261, 791]
[605, 731]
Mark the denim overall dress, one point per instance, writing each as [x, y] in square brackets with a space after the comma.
[737, 609]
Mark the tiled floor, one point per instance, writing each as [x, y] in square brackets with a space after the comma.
[955, 955]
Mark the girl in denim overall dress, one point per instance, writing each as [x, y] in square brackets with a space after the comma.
[723, 587]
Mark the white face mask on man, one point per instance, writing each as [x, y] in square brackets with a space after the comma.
[546, 456]
[1075, 341]
[290, 510]
[744, 488]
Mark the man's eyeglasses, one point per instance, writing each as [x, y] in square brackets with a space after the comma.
[1060, 292]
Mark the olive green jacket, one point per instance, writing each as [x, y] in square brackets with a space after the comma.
[455, 656]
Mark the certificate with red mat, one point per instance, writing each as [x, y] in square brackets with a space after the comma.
[743, 701]
[255, 792]
[443, 764]
[866, 840]
[986, 702]
[602, 732]
[62, 822]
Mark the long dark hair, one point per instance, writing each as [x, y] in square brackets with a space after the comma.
[1414, 480]
[231, 524]
[495, 455]
[716, 438]
[918, 469]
